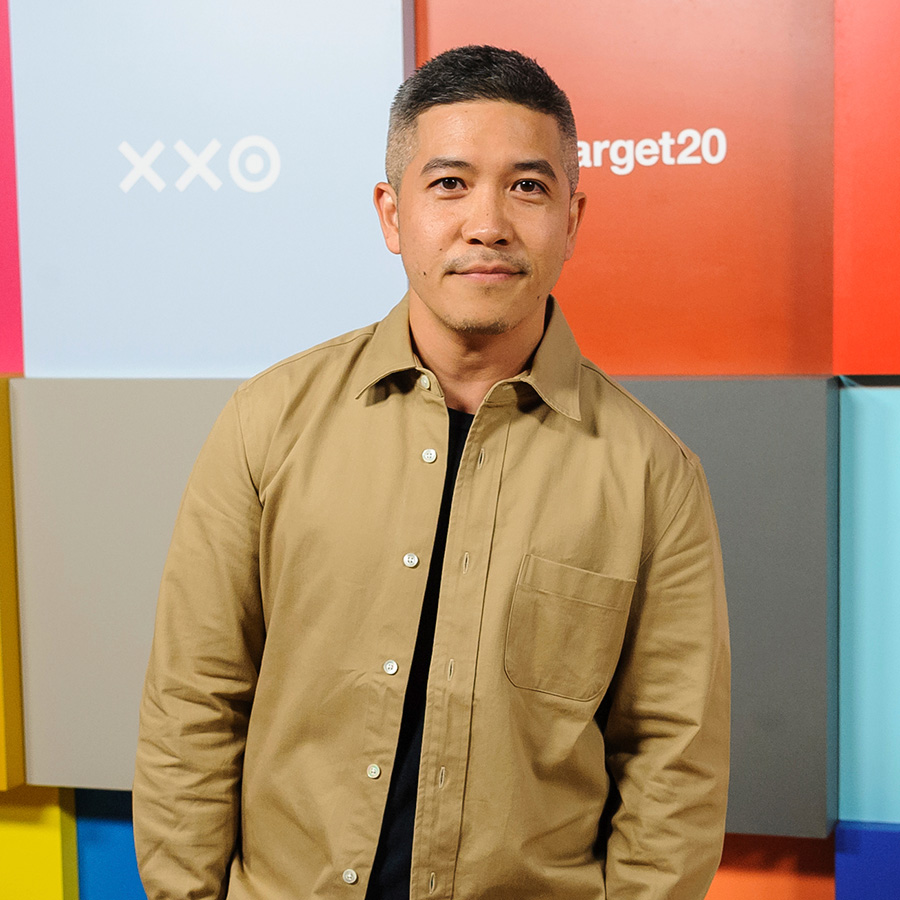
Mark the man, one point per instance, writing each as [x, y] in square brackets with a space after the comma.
[443, 614]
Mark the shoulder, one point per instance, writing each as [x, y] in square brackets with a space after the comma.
[286, 377]
[272, 408]
[640, 446]
[615, 411]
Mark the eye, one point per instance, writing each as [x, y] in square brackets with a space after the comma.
[529, 186]
[449, 183]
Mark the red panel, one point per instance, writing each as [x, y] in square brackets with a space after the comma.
[698, 269]
[10, 294]
[867, 188]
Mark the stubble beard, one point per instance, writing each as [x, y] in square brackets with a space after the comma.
[474, 327]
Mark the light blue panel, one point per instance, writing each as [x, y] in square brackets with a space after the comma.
[181, 266]
[870, 605]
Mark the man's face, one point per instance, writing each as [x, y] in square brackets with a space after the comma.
[484, 219]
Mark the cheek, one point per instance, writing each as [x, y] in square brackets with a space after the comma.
[426, 225]
[549, 247]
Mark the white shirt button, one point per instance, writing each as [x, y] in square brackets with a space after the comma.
[424, 382]
[373, 771]
[350, 876]
[390, 667]
[429, 455]
[410, 560]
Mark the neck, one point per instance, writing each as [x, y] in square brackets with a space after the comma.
[468, 365]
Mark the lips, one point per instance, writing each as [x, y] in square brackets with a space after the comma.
[489, 276]
[487, 272]
[489, 269]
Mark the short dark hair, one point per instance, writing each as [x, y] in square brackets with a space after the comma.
[477, 73]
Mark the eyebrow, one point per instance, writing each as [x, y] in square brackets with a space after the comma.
[445, 162]
[540, 166]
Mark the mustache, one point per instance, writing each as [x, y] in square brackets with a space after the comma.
[469, 261]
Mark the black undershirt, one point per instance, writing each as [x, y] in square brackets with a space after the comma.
[393, 858]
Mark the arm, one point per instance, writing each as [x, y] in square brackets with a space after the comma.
[200, 683]
[667, 736]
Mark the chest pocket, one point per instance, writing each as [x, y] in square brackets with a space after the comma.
[565, 630]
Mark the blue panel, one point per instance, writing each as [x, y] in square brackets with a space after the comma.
[867, 861]
[870, 606]
[106, 865]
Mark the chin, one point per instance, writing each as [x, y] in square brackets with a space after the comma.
[479, 326]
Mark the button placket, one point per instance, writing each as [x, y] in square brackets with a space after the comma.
[446, 737]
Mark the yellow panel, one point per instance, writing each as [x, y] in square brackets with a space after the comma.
[38, 853]
[12, 756]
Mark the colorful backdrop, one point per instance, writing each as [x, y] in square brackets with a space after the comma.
[183, 193]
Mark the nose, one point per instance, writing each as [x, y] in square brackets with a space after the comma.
[486, 221]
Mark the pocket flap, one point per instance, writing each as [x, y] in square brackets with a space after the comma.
[579, 584]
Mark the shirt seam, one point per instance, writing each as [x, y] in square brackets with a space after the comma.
[678, 506]
[335, 343]
[246, 453]
[685, 452]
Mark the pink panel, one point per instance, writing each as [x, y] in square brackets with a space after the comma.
[11, 361]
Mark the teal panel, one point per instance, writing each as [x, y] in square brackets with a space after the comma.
[870, 605]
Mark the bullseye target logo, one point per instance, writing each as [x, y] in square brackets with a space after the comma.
[254, 165]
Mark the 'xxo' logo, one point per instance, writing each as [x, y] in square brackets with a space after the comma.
[246, 164]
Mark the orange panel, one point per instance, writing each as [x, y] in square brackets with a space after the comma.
[867, 188]
[774, 868]
[706, 268]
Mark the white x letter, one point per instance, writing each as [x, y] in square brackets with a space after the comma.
[141, 165]
[197, 165]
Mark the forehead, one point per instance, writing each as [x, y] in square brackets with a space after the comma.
[494, 129]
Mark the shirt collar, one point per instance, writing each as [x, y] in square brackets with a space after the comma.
[556, 368]
[390, 350]
[555, 372]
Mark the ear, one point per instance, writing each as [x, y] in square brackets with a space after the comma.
[385, 198]
[576, 214]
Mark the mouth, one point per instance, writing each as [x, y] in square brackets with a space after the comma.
[494, 273]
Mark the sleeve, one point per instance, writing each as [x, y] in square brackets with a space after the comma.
[204, 663]
[667, 736]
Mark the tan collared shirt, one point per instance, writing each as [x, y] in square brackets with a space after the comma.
[581, 638]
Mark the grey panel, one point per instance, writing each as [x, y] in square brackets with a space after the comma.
[769, 448]
[100, 467]
[99, 471]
